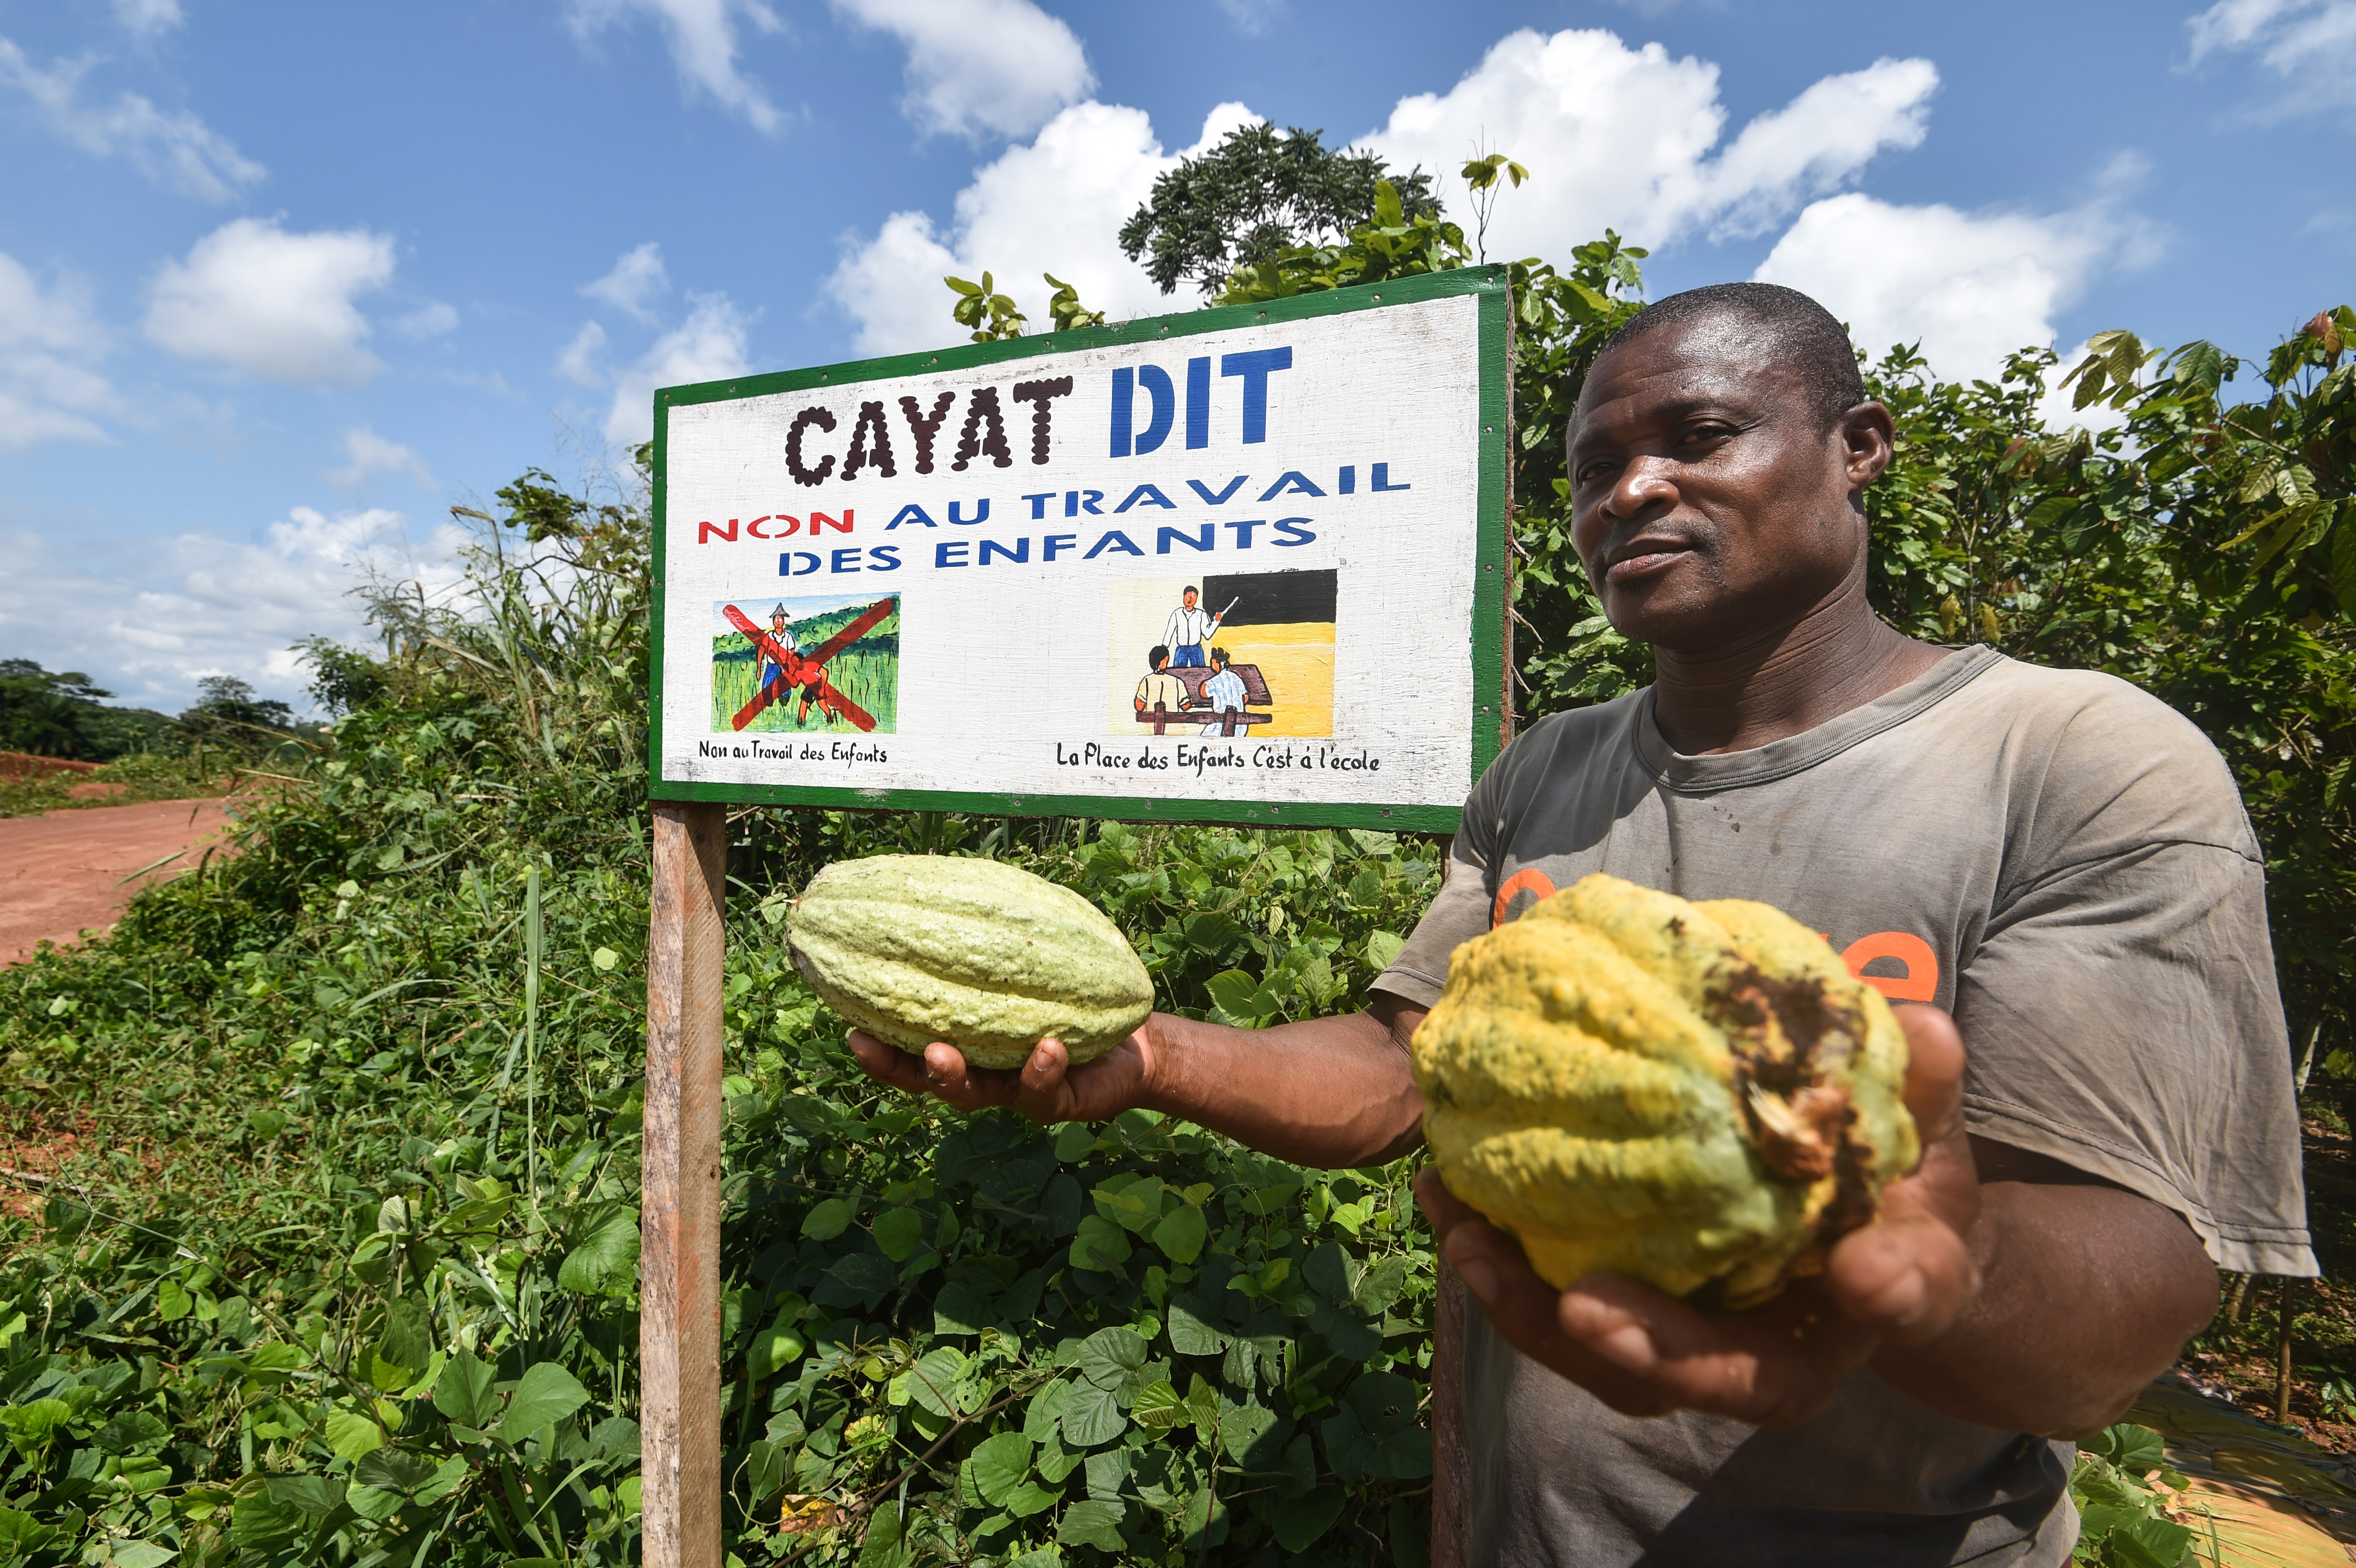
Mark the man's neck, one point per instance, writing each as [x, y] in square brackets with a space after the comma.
[1783, 681]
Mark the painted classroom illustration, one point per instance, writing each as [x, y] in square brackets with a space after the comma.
[811, 666]
[1234, 656]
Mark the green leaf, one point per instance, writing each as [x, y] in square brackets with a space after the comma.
[546, 1392]
[1110, 1357]
[352, 1434]
[1157, 1408]
[1092, 1415]
[1102, 1245]
[389, 1469]
[603, 1259]
[772, 1349]
[464, 1391]
[1180, 1233]
[932, 1381]
[1298, 1522]
[899, 1232]
[318, 1496]
[1093, 1522]
[1192, 1328]
[260, 1522]
[407, 1339]
[828, 1220]
[1029, 1498]
[1045, 1414]
[130, 1552]
[999, 1465]
[1245, 1434]
[132, 1432]
[172, 1301]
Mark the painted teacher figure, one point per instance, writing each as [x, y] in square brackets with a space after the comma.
[1188, 629]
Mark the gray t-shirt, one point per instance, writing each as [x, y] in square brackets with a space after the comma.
[2059, 860]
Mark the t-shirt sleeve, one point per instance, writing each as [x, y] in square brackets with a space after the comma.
[1461, 910]
[2121, 1008]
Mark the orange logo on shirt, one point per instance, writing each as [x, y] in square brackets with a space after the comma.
[1919, 984]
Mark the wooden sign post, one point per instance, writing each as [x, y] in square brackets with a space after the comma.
[1241, 565]
[679, 1264]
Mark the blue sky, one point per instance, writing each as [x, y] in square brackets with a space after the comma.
[281, 285]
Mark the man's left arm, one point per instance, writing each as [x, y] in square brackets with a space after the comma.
[2033, 1300]
[2088, 1291]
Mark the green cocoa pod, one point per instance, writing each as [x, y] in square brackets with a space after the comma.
[1699, 1095]
[918, 948]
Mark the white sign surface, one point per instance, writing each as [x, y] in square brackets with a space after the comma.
[1233, 572]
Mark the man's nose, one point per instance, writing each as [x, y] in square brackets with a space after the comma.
[1641, 484]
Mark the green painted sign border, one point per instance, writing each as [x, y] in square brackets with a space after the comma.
[1487, 642]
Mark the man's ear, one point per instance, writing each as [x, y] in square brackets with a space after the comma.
[1868, 438]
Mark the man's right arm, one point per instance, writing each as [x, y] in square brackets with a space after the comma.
[1334, 1092]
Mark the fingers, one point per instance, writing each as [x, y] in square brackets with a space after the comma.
[1518, 1304]
[892, 1068]
[1909, 1275]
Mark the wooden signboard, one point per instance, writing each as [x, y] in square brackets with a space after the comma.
[1243, 565]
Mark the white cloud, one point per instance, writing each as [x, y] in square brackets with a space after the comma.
[1622, 138]
[146, 20]
[278, 305]
[177, 149]
[1052, 206]
[582, 361]
[709, 346]
[431, 319]
[702, 38]
[1970, 287]
[1252, 17]
[981, 65]
[636, 278]
[368, 454]
[2310, 44]
[147, 618]
[49, 341]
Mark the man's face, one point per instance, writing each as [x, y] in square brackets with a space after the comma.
[1188, 598]
[1708, 498]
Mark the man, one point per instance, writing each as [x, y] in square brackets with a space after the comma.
[1159, 691]
[2062, 868]
[1223, 693]
[1188, 629]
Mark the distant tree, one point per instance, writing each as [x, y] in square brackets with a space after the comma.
[226, 705]
[343, 680]
[1260, 192]
[61, 713]
[44, 712]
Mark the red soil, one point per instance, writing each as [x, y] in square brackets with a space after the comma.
[64, 873]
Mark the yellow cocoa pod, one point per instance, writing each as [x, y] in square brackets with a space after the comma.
[1699, 1095]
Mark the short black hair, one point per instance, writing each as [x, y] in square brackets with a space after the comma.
[1811, 343]
[1219, 658]
[1190, 588]
[1153, 660]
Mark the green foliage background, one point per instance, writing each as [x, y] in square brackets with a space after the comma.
[348, 1272]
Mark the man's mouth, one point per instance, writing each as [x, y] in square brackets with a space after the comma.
[1641, 559]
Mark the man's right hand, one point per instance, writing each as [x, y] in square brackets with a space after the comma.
[1047, 1088]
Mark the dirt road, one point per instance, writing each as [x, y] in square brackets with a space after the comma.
[63, 873]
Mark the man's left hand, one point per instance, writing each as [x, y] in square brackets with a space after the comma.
[1903, 1279]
